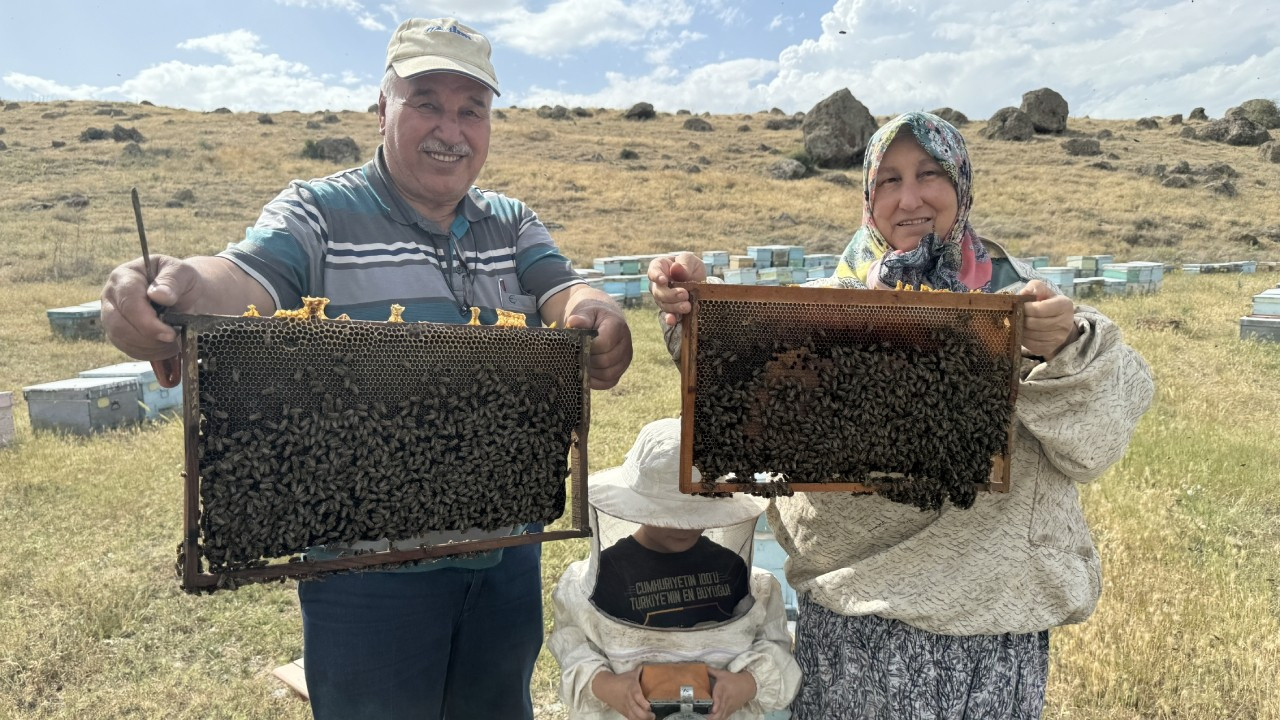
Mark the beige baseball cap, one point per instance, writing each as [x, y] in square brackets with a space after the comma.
[441, 45]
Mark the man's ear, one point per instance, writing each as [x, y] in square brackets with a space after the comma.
[382, 114]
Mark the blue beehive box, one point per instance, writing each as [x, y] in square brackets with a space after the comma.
[822, 260]
[761, 255]
[799, 275]
[715, 257]
[76, 322]
[636, 285]
[767, 554]
[615, 284]
[630, 264]
[83, 405]
[152, 398]
[588, 273]
[817, 273]
[1062, 277]
[1088, 287]
[608, 265]
[1037, 261]
[1115, 286]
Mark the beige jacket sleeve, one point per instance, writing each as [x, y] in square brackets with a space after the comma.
[579, 658]
[1084, 405]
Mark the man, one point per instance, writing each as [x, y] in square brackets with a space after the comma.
[458, 638]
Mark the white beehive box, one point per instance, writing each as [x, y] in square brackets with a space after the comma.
[7, 433]
[152, 398]
[83, 405]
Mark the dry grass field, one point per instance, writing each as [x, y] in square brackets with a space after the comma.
[93, 625]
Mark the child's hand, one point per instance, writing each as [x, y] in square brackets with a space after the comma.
[623, 694]
[730, 692]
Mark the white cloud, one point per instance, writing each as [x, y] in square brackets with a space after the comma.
[248, 79]
[721, 85]
[565, 26]
[363, 18]
[1108, 58]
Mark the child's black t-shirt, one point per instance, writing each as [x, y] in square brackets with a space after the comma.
[670, 590]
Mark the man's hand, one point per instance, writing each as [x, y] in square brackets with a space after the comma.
[1048, 322]
[622, 693]
[730, 692]
[130, 321]
[611, 348]
[674, 302]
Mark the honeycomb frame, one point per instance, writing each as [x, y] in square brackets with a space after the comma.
[734, 316]
[258, 363]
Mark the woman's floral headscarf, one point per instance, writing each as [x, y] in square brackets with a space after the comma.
[956, 261]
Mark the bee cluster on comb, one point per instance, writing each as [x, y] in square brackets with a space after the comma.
[867, 391]
[318, 432]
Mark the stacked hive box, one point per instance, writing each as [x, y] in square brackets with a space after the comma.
[1264, 323]
[152, 400]
[83, 405]
[77, 322]
[7, 433]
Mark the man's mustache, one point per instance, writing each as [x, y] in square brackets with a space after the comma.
[439, 147]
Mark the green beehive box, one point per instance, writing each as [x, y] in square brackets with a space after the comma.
[82, 406]
[1125, 272]
[76, 322]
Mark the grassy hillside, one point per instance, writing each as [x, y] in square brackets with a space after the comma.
[92, 624]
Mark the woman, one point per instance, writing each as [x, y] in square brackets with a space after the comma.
[944, 614]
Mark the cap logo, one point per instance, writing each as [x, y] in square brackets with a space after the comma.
[441, 28]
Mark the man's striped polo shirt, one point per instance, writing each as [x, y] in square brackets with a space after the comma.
[352, 238]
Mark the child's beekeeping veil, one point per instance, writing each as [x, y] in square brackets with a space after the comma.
[644, 490]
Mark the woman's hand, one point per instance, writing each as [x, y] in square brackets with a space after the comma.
[674, 302]
[622, 693]
[1048, 322]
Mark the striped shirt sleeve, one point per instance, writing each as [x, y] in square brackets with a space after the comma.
[284, 250]
[540, 267]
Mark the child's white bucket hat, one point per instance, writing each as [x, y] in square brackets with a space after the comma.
[646, 487]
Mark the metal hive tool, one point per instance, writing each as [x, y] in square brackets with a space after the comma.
[790, 389]
[308, 432]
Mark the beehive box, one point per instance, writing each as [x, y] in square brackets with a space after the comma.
[822, 260]
[76, 322]
[1267, 302]
[1263, 329]
[1157, 269]
[82, 406]
[1037, 261]
[741, 261]
[630, 264]
[153, 400]
[740, 276]
[770, 275]
[302, 433]
[589, 273]
[1127, 272]
[765, 374]
[7, 432]
[715, 257]
[1085, 265]
[816, 273]
[608, 266]
[1088, 287]
[1117, 286]
[1061, 277]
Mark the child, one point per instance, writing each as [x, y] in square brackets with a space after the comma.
[669, 581]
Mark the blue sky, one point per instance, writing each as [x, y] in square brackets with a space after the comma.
[1108, 58]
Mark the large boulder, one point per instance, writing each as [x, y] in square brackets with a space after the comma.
[787, 169]
[1269, 151]
[558, 112]
[1008, 124]
[1198, 114]
[1147, 123]
[1046, 109]
[955, 117]
[332, 149]
[1237, 130]
[837, 129]
[697, 124]
[640, 111]
[1261, 112]
[1082, 146]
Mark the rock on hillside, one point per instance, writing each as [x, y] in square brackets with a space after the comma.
[837, 129]
[1046, 109]
[955, 117]
[1008, 124]
[1260, 112]
[1236, 130]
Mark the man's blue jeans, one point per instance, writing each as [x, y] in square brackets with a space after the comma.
[446, 644]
